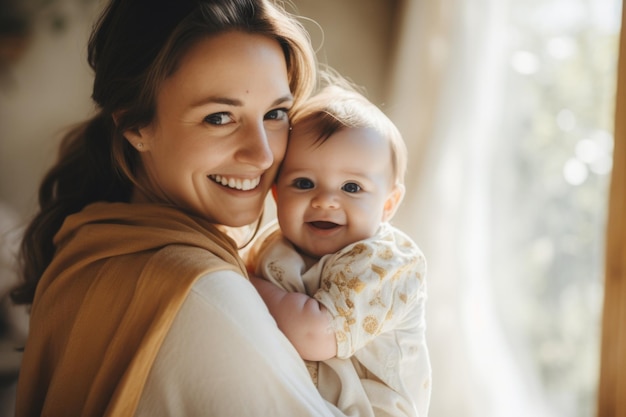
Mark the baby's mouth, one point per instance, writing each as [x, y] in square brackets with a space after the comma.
[324, 225]
[236, 183]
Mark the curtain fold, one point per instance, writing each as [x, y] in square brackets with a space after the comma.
[612, 383]
[445, 98]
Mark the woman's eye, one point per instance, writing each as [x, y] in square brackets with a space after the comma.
[351, 187]
[303, 184]
[218, 119]
[277, 114]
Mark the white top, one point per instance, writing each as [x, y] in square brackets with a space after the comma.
[225, 356]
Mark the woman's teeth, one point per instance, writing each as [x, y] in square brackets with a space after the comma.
[237, 183]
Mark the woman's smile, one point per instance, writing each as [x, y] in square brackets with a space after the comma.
[246, 184]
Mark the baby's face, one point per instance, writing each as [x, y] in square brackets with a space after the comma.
[334, 193]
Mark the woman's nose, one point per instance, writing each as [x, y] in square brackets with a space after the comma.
[255, 148]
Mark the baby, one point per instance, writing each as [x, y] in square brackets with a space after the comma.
[345, 287]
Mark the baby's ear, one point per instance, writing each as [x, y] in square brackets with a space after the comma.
[274, 193]
[393, 202]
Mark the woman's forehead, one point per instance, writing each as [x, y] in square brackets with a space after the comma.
[220, 67]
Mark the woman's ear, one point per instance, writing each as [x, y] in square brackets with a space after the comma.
[136, 137]
[393, 202]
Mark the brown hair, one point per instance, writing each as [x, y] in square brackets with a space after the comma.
[340, 106]
[135, 46]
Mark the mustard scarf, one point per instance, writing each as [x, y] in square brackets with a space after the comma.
[106, 302]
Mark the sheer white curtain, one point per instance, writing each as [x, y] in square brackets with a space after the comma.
[446, 98]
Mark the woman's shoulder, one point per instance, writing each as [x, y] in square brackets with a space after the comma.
[224, 346]
[226, 285]
[224, 296]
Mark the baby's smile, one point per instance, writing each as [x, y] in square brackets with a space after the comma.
[324, 225]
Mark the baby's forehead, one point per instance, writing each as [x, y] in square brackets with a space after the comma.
[355, 151]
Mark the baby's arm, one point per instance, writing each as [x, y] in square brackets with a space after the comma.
[305, 322]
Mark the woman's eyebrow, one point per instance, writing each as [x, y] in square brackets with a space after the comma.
[217, 100]
[235, 102]
[280, 100]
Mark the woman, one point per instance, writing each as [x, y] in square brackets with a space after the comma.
[140, 302]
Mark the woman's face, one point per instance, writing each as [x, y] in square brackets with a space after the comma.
[220, 130]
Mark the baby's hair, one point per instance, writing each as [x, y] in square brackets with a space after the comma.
[339, 106]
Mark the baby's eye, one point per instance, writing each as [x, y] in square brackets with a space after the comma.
[277, 114]
[218, 119]
[303, 183]
[351, 187]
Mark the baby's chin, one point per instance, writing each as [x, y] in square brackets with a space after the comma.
[319, 251]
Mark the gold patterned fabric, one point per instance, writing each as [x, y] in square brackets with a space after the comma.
[106, 302]
[375, 290]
